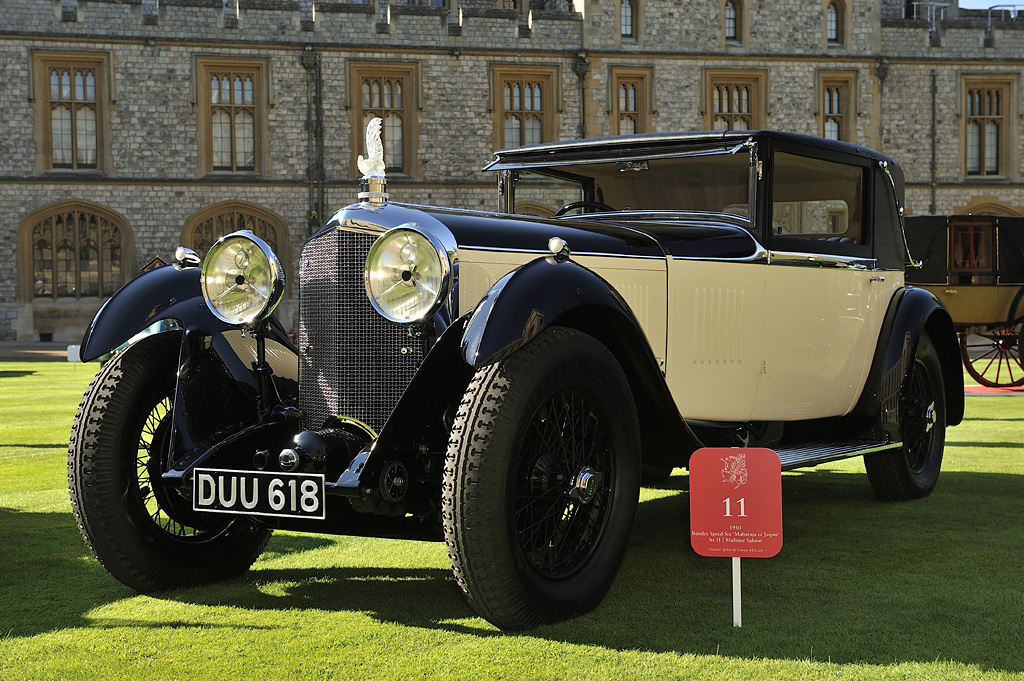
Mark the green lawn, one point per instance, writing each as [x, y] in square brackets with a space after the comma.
[861, 590]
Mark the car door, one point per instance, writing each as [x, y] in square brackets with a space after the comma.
[825, 299]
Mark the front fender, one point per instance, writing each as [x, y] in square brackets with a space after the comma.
[528, 300]
[546, 292]
[163, 293]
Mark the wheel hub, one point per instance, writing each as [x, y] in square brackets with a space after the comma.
[586, 485]
[929, 418]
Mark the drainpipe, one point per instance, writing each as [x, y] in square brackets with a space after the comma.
[315, 171]
[581, 67]
[935, 89]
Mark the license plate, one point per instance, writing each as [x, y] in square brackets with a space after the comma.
[286, 495]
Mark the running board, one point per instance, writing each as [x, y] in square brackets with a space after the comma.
[812, 454]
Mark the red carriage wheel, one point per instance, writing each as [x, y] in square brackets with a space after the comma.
[992, 357]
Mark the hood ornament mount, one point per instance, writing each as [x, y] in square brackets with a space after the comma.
[374, 184]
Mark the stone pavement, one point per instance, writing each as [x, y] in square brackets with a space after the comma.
[33, 352]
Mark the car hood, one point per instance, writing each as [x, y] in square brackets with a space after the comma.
[632, 234]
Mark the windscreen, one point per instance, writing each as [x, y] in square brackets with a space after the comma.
[711, 183]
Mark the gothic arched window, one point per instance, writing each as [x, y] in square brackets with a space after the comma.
[77, 251]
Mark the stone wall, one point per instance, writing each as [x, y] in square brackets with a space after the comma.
[154, 178]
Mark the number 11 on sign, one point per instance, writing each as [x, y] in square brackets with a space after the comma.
[742, 503]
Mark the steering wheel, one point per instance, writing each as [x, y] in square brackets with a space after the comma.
[597, 206]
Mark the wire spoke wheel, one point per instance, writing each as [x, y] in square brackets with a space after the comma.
[912, 471]
[992, 357]
[160, 506]
[141, 528]
[918, 418]
[560, 498]
[542, 479]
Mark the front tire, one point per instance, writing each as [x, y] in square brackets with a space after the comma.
[542, 481]
[141, 530]
[913, 471]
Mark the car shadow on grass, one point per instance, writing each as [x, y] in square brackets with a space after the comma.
[857, 581]
[11, 373]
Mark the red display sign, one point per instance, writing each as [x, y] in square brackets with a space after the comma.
[736, 502]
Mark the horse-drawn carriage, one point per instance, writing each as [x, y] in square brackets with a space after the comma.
[974, 264]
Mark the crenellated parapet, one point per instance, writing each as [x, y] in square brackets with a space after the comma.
[943, 30]
[446, 24]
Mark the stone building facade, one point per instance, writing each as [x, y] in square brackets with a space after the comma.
[134, 126]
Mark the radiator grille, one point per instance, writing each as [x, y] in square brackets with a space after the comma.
[352, 362]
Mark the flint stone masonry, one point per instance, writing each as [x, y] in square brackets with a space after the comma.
[153, 176]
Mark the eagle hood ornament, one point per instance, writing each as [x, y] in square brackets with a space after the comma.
[373, 185]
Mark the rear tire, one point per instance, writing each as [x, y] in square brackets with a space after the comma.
[542, 481]
[913, 471]
[143, 531]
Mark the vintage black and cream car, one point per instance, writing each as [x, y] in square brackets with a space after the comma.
[501, 381]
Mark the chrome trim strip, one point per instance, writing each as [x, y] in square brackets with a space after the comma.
[761, 257]
[793, 259]
[544, 251]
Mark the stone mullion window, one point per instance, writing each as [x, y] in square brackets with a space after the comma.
[630, 100]
[733, 106]
[73, 117]
[76, 254]
[232, 120]
[203, 230]
[231, 102]
[524, 102]
[985, 129]
[835, 105]
[71, 91]
[734, 100]
[629, 116]
[387, 91]
[384, 97]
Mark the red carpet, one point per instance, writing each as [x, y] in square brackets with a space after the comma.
[983, 390]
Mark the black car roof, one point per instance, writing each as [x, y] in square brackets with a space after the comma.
[656, 145]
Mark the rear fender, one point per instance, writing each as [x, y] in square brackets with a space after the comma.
[912, 312]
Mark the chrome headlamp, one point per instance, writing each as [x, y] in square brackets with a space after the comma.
[242, 279]
[407, 274]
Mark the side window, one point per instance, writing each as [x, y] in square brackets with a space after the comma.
[818, 206]
[538, 194]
